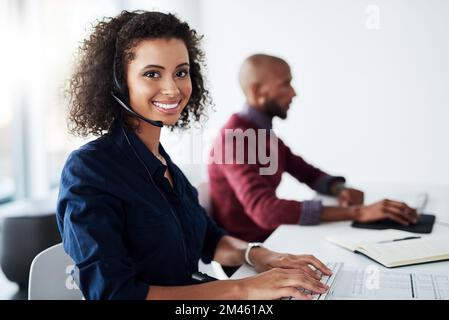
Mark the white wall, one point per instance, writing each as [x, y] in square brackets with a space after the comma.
[188, 10]
[373, 104]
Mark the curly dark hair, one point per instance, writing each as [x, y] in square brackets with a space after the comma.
[92, 109]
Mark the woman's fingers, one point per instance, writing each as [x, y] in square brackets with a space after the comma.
[309, 271]
[301, 280]
[295, 293]
[313, 273]
[317, 264]
[278, 282]
[303, 262]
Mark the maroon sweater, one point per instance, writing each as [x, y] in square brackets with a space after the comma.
[244, 202]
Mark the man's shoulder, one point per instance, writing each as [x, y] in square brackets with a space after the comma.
[236, 121]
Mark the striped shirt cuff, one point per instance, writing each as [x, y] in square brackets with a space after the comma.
[310, 212]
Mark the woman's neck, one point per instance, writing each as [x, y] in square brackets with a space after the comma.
[150, 136]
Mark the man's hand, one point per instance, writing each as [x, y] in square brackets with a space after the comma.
[388, 209]
[348, 197]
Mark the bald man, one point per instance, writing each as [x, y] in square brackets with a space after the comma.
[244, 201]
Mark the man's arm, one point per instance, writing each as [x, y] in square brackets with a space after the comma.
[305, 172]
[381, 210]
[258, 197]
[339, 213]
[315, 178]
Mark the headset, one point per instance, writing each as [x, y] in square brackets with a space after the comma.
[119, 94]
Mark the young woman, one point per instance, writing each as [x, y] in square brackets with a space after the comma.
[128, 216]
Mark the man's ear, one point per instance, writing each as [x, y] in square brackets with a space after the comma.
[255, 95]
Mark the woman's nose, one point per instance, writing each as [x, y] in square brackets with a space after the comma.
[170, 88]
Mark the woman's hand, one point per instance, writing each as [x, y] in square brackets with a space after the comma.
[388, 209]
[277, 283]
[264, 259]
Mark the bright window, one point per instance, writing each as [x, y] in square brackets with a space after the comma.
[7, 185]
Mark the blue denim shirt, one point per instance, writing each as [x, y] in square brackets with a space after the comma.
[125, 232]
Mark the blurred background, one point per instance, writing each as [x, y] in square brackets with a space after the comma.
[372, 79]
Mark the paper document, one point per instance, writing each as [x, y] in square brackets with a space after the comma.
[376, 284]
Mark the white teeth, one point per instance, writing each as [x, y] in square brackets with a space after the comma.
[166, 106]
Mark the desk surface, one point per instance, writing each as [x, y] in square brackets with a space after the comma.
[311, 240]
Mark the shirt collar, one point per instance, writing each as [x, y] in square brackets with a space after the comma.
[259, 118]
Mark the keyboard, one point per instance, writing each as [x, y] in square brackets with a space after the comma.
[328, 280]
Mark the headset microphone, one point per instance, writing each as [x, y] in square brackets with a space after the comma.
[131, 111]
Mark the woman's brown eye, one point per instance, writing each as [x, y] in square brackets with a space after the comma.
[182, 74]
[151, 74]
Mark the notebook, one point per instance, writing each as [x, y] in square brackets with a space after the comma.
[393, 248]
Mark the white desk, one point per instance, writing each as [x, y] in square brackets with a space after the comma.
[310, 239]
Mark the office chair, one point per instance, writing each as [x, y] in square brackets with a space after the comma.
[28, 227]
[204, 199]
[51, 276]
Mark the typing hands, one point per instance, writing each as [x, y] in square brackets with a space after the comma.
[281, 275]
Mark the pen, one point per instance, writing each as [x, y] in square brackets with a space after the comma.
[400, 239]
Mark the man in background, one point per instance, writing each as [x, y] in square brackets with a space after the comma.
[244, 201]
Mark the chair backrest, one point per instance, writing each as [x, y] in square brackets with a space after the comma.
[204, 200]
[203, 197]
[51, 276]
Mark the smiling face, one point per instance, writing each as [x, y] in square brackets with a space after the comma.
[158, 79]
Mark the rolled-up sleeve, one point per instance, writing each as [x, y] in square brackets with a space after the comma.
[91, 223]
[310, 212]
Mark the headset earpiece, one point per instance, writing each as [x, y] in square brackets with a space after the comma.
[121, 96]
